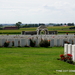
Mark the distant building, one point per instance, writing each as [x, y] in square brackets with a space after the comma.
[10, 28]
[65, 25]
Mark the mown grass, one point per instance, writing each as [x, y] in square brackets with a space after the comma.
[33, 61]
[29, 29]
[16, 31]
[65, 31]
[60, 29]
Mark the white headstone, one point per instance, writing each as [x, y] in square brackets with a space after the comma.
[52, 43]
[65, 48]
[58, 42]
[39, 40]
[36, 40]
[70, 40]
[22, 42]
[55, 42]
[28, 42]
[3, 41]
[10, 42]
[16, 42]
[69, 48]
[73, 53]
[61, 42]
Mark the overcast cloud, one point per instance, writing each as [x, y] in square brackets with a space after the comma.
[37, 11]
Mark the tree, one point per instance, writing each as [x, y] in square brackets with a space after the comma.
[1, 25]
[41, 24]
[70, 24]
[18, 24]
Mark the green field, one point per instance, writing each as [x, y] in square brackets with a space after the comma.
[60, 29]
[33, 61]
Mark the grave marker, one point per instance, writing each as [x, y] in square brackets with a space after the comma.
[65, 49]
[69, 48]
[52, 43]
[73, 53]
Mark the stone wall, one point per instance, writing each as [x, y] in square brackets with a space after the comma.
[35, 32]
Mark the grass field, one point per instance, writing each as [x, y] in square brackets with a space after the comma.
[33, 61]
[60, 29]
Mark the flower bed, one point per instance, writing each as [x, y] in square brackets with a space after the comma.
[66, 58]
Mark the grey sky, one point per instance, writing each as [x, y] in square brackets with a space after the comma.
[37, 11]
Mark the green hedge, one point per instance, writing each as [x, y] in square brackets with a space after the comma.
[66, 32]
[10, 33]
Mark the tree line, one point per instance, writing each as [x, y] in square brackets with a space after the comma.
[20, 25]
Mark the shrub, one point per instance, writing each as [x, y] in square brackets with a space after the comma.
[6, 44]
[32, 43]
[12, 43]
[44, 43]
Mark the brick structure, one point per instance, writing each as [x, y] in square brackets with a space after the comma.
[10, 28]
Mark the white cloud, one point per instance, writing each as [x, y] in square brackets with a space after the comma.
[37, 10]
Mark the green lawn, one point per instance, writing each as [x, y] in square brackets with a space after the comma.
[33, 61]
[60, 29]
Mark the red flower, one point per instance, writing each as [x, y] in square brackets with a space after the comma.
[66, 57]
[69, 55]
[62, 55]
[48, 40]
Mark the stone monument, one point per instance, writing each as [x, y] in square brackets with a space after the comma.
[42, 28]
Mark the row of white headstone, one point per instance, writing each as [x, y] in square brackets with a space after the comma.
[70, 49]
[25, 41]
[40, 36]
[17, 42]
